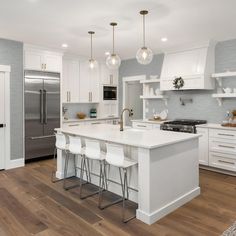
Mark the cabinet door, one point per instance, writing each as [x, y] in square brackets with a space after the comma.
[65, 81]
[203, 146]
[114, 75]
[33, 60]
[113, 109]
[94, 85]
[74, 74]
[84, 83]
[104, 73]
[52, 63]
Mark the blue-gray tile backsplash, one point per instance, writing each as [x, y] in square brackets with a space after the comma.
[203, 105]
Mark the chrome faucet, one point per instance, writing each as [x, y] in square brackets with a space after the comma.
[121, 117]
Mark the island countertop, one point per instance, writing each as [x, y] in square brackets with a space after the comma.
[131, 137]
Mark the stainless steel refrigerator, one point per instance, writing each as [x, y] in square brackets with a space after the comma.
[42, 112]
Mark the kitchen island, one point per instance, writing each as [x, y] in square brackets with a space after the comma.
[167, 175]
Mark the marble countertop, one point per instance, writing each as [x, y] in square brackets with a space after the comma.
[131, 137]
[216, 126]
[90, 119]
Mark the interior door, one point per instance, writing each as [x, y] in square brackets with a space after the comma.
[2, 121]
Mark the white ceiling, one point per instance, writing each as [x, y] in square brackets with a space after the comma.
[53, 22]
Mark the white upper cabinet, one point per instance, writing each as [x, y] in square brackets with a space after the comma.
[195, 66]
[70, 81]
[89, 84]
[108, 77]
[35, 59]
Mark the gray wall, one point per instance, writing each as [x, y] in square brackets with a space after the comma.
[11, 53]
[203, 106]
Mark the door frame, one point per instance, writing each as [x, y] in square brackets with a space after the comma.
[126, 80]
[6, 70]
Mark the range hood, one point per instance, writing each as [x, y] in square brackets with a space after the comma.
[195, 66]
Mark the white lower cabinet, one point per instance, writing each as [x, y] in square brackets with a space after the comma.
[217, 148]
[203, 146]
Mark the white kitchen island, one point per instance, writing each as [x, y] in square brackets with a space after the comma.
[167, 175]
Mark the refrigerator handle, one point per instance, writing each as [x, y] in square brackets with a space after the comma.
[45, 105]
[41, 106]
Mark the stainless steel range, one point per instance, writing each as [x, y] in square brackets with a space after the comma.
[182, 125]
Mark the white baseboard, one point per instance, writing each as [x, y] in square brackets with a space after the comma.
[15, 163]
[160, 213]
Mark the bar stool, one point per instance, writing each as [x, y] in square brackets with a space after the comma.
[115, 156]
[93, 152]
[61, 145]
[75, 148]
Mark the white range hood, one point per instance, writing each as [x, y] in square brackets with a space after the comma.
[195, 66]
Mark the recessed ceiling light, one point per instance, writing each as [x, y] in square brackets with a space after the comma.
[64, 45]
[107, 53]
[164, 39]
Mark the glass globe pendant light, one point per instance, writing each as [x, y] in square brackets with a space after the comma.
[144, 54]
[92, 62]
[113, 60]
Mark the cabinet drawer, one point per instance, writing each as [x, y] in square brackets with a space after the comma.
[222, 161]
[142, 125]
[225, 134]
[222, 145]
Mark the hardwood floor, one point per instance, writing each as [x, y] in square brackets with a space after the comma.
[31, 205]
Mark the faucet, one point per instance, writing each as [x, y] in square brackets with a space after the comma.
[121, 117]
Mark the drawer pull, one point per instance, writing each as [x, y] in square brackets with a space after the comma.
[226, 162]
[95, 123]
[73, 125]
[229, 135]
[144, 126]
[225, 146]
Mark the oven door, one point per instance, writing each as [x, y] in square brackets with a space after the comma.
[109, 93]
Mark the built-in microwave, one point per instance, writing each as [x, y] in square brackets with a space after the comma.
[109, 93]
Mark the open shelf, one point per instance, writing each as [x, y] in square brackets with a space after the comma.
[148, 81]
[162, 97]
[221, 96]
[224, 74]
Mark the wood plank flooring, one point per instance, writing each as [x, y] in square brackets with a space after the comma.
[31, 205]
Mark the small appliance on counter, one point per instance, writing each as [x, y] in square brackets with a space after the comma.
[230, 120]
[93, 113]
[182, 125]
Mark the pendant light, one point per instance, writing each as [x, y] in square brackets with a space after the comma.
[113, 60]
[92, 62]
[144, 54]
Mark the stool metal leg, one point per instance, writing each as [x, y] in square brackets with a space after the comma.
[66, 170]
[100, 177]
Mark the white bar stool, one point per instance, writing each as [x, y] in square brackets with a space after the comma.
[62, 145]
[93, 152]
[75, 148]
[115, 156]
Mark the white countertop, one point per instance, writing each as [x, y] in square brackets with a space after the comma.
[150, 121]
[90, 119]
[132, 137]
[216, 126]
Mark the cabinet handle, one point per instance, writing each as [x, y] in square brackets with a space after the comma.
[67, 96]
[42, 66]
[45, 66]
[227, 162]
[91, 96]
[73, 125]
[230, 135]
[225, 146]
[144, 126]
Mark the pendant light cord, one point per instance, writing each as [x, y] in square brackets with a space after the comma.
[91, 47]
[113, 40]
[144, 39]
